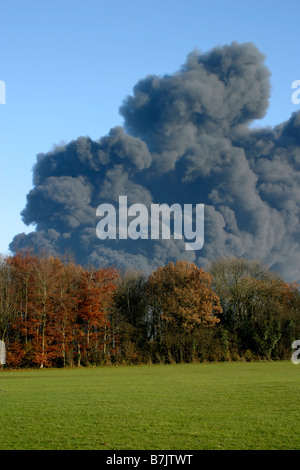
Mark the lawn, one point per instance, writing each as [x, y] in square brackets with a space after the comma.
[158, 407]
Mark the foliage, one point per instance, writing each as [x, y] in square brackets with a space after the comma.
[183, 302]
[260, 310]
[54, 313]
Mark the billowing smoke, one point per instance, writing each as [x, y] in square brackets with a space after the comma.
[186, 139]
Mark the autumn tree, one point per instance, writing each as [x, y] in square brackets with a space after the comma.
[51, 310]
[43, 291]
[67, 277]
[182, 301]
[94, 308]
[22, 267]
[56, 313]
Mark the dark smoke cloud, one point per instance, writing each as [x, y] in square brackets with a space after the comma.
[186, 139]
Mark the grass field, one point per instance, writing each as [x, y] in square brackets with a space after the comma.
[159, 407]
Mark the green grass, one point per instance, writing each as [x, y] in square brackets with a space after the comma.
[159, 407]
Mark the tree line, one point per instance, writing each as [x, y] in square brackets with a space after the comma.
[55, 313]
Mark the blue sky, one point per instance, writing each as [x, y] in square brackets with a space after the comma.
[68, 65]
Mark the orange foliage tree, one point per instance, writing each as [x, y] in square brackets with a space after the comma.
[94, 309]
[182, 301]
[51, 310]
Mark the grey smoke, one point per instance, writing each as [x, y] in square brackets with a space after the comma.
[186, 139]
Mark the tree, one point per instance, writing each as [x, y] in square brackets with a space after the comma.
[250, 296]
[238, 281]
[290, 318]
[64, 298]
[42, 309]
[131, 319]
[94, 304]
[22, 267]
[8, 295]
[182, 294]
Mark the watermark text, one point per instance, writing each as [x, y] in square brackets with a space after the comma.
[136, 222]
[2, 92]
[296, 93]
[2, 353]
[296, 354]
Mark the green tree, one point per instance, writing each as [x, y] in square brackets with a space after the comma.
[250, 296]
[131, 315]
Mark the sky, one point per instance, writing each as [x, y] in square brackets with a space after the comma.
[68, 65]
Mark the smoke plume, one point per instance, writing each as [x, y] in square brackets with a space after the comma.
[186, 139]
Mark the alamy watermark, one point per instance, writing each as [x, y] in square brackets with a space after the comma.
[2, 353]
[296, 354]
[2, 92]
[296, 94]
[136, 222]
